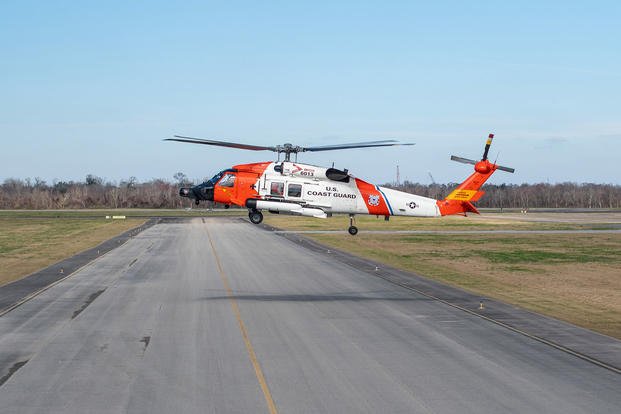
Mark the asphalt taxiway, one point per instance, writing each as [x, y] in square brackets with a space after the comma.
[216, 315]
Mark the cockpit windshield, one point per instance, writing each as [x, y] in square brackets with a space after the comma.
[227, 181]
[216, 177]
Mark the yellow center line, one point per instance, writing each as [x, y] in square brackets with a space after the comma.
[244, 332]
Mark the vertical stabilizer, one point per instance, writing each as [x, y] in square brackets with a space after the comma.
[461, 199]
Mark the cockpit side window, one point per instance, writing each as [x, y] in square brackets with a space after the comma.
[227, 181]
[277, 188]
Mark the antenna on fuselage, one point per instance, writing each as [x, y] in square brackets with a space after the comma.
[431, 177]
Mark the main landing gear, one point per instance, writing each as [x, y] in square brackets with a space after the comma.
[353, 230]
[255, 216]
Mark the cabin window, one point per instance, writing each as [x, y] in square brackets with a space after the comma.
[294, 190]
[227, 181]
[277, 188]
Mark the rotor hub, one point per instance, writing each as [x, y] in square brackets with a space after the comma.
[483, 167]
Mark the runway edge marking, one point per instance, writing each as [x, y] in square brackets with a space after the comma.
[244, 332]
[553, 344]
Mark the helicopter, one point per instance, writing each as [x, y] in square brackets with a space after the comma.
[289, 187]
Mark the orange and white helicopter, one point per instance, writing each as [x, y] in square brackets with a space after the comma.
[290, 187]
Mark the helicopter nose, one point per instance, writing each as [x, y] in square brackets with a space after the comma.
[203, 192]
[186, 192]
[207, 193]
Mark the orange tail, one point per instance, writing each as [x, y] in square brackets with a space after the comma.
[461, 199]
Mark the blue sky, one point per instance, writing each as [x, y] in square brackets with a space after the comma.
[94, 87]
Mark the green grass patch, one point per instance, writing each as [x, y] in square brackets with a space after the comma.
[525, 256]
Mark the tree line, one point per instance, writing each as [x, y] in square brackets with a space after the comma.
[94, 192]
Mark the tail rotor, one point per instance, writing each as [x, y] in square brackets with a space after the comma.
[484, 160]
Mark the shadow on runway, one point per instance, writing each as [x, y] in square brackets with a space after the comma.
[319, 297]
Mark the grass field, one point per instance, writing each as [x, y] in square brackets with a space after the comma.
[27, 245]
[574, 277]
[136, 212]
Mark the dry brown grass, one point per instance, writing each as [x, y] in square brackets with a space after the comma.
[27, 245]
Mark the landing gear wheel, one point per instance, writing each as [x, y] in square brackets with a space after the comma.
[353, 230]
[196, 202]
[255, 217]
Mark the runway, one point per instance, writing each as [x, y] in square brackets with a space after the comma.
[219, 316]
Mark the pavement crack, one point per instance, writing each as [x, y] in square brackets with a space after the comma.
[88, 301]
[12, 371]
[132, 262]
[145, 340]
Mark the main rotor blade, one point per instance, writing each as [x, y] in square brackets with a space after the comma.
[191, 140]
[369, 144]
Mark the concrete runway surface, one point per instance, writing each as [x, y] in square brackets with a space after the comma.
[219, 316]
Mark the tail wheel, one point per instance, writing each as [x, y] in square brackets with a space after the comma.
[255, 217]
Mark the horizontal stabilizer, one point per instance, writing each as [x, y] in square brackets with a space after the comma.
[468, 207]
[462, 160]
